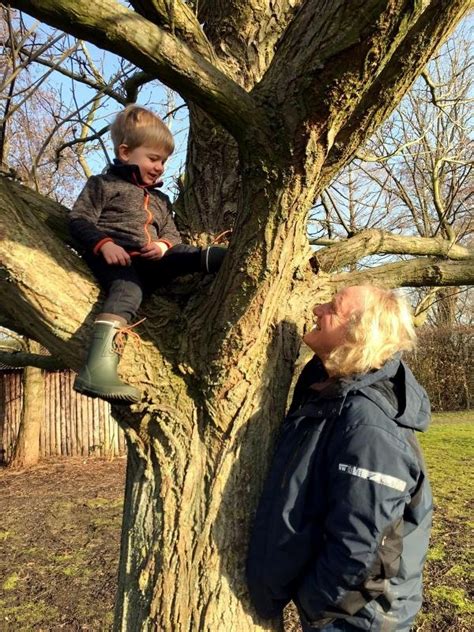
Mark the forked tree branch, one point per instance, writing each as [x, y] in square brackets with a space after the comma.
[420, 34]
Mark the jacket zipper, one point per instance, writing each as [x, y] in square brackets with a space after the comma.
[149, 218]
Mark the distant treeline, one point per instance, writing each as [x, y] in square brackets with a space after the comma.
[443, 363]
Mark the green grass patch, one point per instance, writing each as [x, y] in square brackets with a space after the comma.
[437, 553]
[454, 416]
[99, 503]
[11, 582]
[456, 597]
[28, 615]
[448, 447]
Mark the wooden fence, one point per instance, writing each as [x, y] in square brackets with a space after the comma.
[74, 425]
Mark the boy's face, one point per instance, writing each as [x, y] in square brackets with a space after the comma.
[150, 160]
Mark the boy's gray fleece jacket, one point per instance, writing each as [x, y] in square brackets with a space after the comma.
[117, 207]
[343, 523]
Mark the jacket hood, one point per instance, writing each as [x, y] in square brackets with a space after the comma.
[395, 390]
[130, 173]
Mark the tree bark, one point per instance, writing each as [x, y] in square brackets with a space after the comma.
[27, 446]
[337, 256]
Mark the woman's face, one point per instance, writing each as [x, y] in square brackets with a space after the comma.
[332, 320]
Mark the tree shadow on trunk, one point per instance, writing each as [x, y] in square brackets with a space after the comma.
[256, 441]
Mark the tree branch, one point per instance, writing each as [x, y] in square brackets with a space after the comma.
[420, 33]
[181, 21]
[373, 241]
[19, 359]
[113, 27]
[429, 272]
[38, 276]
[81, 78]
[246, 35]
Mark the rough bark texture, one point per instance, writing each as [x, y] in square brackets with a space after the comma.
[283, 93]
[27, 447]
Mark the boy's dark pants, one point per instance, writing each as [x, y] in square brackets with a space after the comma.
[126, 285]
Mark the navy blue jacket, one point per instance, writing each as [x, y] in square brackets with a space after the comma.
[343, 523]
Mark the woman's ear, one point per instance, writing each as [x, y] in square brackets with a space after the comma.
[123, 152]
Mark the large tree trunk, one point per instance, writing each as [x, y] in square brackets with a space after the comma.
[199, 452]
[192, 486]
[27, 446]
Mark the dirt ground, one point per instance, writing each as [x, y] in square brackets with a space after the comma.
[60, 540]
[59, 545]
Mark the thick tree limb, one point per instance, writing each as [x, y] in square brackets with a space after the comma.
[113, 27]
[340, 77]
[245, 34]
[19, 360]
[420, 35]
[180, 20]
[38, 276]
[369, 242]
[420, 272]
[320, 32]
[49, 212]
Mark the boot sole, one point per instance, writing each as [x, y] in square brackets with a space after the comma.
[112, 398]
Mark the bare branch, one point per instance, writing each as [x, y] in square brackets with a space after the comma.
[114, 27]
[441, 210]
[84, 139]
[372, 241]
[20, 359]
[81, 78]
[34, 86]
[414, 273]
[367, 157]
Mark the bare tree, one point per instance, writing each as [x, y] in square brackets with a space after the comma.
[280, 98]
[414, 176]
[49, 127]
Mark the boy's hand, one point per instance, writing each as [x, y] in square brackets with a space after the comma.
[115, 255]
[154, 251]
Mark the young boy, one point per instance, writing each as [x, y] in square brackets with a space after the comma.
[130, 242]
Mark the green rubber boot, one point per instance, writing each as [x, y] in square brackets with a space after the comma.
[98, 377]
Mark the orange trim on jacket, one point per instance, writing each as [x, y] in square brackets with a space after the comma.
[149, 214]
[100, 243]
[164, 241]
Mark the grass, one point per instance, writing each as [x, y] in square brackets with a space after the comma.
[448, 447]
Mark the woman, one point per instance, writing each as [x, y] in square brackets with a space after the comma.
[343, 523]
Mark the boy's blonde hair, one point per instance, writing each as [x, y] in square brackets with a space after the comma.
[383, 327]
[136, 126]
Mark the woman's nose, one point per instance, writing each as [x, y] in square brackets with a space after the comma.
[320, 310]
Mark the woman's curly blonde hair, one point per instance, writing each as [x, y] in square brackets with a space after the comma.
[384, 326]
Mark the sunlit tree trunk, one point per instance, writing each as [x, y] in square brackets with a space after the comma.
[27, 446]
